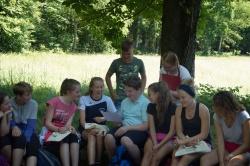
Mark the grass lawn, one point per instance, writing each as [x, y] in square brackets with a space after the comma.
[45, 71]
[50, 69]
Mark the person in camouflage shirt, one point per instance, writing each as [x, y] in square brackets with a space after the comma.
[124, 67]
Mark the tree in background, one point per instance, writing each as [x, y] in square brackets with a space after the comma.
[179, 20]
[17, 23]
[156, 26]
[224, 26]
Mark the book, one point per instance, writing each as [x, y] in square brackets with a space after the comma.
[200, 147]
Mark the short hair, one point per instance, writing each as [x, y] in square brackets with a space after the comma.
[22, 87]
[134, 82]
[127, 44]
[68, 85]
[2, 96]
[171, 58]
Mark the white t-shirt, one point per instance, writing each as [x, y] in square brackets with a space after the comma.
[93, 107]
[184, 73]
[87, 101]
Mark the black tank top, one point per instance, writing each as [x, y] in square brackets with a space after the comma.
[192, 127]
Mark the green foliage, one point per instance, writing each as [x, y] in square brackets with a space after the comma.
[17, 22]
[222, 26]
[206, 92]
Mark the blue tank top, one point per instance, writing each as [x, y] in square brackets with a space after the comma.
[192, 127]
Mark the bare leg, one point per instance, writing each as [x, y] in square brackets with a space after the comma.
[162, 152]
[91, 149]
[6, 151]
[239, 160]
[132, 149]
[17, 157]
[174, 159]
[99, 147]
[64, 154]
[187, 159]
[31, 161]
[110, 145]
[209, 159]
[146, 161]
[74, 152]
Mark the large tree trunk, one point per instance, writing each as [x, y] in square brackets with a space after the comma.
[179, 22]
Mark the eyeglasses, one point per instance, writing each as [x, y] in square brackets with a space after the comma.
[172, 69]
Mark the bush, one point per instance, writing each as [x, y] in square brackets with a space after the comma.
[206, 93]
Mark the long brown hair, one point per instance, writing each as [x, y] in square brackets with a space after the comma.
[227, 101]
[68, 85]
[163, 100]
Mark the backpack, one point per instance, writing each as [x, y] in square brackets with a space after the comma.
[120, 158]
[45, 158]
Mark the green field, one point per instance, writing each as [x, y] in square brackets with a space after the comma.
[49, 69]
[45, 71]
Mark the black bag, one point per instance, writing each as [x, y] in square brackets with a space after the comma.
[45, 158]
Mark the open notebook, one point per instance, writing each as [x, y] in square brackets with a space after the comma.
[56, 136]
[200, 147]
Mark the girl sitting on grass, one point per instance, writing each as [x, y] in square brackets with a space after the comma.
[5, 116]
[59, 116]
[192, 124]
[161, 122]
[232, 126]
[90, 107]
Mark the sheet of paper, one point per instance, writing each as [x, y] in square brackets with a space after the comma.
[112, 116]
[89, 125]
[56, 136]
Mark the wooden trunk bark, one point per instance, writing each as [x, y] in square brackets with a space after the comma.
[179, 22]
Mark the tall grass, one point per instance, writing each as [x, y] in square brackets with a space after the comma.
[45, 71]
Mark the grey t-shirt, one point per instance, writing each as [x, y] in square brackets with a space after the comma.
[24, 112]
[234, 133]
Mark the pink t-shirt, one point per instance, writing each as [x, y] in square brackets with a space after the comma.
[62, 112]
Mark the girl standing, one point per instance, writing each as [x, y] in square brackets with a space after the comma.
[173, 73]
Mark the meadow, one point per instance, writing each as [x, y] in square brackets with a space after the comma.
[49, 69]
[45, 71]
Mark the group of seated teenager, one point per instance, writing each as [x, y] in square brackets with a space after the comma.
[151, 130]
